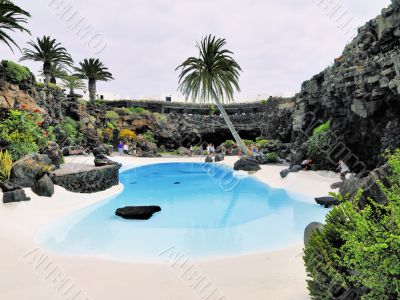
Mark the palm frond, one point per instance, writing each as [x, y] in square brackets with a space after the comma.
[213, 74]
[12, 18]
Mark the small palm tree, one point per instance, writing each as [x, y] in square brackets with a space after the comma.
[73, 83]
[93, 70]
[11, 18]
[213, 76]
[49, 52]
[57, 71]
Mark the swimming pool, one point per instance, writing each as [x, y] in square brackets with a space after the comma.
[207, 211]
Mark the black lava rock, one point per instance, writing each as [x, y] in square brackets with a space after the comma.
[247, 164]
[137, 212]
[15, 196]
[327, 201]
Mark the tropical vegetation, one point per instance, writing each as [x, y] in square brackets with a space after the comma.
[23, 134]
[357, 254]
[5, 165]
[213, 76]
[93, 70]
[12, 18]
[50, 53]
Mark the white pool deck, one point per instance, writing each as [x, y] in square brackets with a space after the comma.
[30, 272]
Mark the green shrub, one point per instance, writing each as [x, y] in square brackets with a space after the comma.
[319, 141]
[122, 111]
[229, 144]
[70, 132]
[5, 165]
[21, 131]
[111, 115]
[138, 110]
[15, 72]
[264, 102]
[40, 84]
[359, 247]
[262, 143]
[110, 125]
[149, 136]
[248, 142]
[272, 157]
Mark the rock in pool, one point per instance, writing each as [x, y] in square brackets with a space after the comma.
[327, 201]
[137, 212]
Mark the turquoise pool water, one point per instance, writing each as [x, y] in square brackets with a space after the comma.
[207, 211]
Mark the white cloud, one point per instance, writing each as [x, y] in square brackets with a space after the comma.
[278, 44]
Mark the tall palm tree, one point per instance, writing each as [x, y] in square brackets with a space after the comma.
[73, 83]
[49, 52]
[57, 71]
[93, 70]
[213, 76]
[11, 18]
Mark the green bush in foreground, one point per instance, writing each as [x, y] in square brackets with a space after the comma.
[358, 252]
[15, 72]
[21, 131]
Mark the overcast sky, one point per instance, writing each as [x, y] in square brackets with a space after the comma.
[279, 44]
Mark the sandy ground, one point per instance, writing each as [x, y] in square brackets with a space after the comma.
[29, 272]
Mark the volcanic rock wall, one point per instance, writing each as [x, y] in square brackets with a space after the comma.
[360, 93]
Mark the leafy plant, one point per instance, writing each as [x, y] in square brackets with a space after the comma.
[319, 141]
[248, 142]
[149, 136]
[264, 102]
[111, 115]
[12, 18]
[73, 83]
[127, 135]
[229, 144]
[5, 165]
[23, 134]
[15, 72]
[272, 157]
[358, 251]
[137, 110]
[69, 131]
[262, 143]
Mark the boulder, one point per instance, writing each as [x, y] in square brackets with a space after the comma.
[182, 151]
[369, 184]
[137, 212]
[73, 150]
[15, 196]
[44, 187]
[102, 160]
[26, 170]
[310, 230]
[327, 201]
[102, 149]
[7, 186]
[336, 185]
[293, 169]
[247, 164]
[54, 152]
[219, 157]
[209, 159]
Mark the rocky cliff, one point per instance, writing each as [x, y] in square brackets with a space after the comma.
[359, 93]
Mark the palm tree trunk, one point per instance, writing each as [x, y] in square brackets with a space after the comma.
[47, 72]
[232, 128]
[92, 89]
